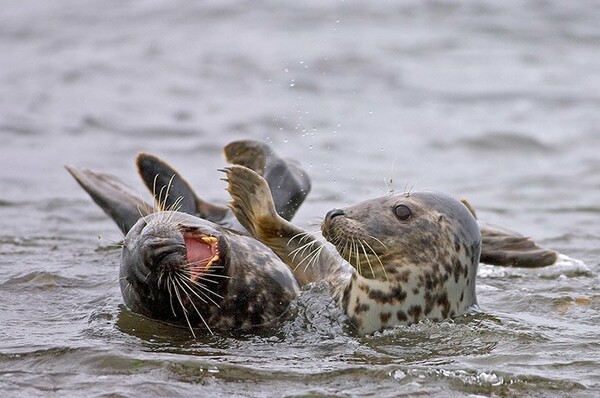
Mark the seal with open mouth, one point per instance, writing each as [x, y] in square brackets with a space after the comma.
[182, 269]
[191, 271]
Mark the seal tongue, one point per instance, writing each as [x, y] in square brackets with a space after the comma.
[199, 253]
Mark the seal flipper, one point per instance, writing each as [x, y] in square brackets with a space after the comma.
[172, 192]
[510, 249]
[500, 247]
[113, 196]
[288, 182]
[305, 255]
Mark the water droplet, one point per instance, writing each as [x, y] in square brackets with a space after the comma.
[398, 375]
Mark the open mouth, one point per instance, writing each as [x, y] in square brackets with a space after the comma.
[202, 253]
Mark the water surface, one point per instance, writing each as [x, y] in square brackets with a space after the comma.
[497, 102]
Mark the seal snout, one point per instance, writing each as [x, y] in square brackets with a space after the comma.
[334, 213]
[165, 253]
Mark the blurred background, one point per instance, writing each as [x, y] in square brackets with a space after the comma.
[494, 101]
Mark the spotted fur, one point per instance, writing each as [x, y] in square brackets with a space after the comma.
[403, 270]
[248, 287]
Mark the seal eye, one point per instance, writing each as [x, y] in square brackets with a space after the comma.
[402, 212]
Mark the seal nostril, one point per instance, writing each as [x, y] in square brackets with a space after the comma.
[168, 257]
[334, 213]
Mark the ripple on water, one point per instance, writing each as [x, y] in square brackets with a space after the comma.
[565, 267]
[40, 280]
[500, 142]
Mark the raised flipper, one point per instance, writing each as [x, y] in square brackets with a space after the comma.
[113, 196]
[304, 254]
[288, 182]
[171, 191]
[510, 249]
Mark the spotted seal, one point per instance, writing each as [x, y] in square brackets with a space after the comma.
[185, 270]
[413, 256]
[192, 271]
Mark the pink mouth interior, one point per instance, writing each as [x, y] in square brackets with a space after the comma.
[199, 255]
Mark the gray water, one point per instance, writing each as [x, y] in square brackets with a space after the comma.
[494, 101]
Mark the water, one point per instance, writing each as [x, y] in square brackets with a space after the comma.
[497, 102]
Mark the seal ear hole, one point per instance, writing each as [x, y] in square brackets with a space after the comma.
[440, 218]
[403, 212]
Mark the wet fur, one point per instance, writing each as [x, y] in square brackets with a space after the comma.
[251, 287]
[425, 269]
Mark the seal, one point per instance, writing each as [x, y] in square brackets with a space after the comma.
[184, 270]
[413, 256]
[191, 271]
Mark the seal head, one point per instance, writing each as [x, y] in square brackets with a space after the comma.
[383, 237]
[410, 256]
[188, 271]
[416, 256]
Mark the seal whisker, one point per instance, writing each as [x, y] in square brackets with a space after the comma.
[317, 222]
[183, 286]
[177, 204]
[199, 293]
[366, 257]
[344, 251]
[312, 257]
[205, 277]
[357, 257]
[128, 287]
[377, 257]
[378, 241]
[201, 317]
[165, 189]
[169, 290]
[305, 258]
[304, 236]
[199, 285]
[200, 277]
[182, 283]
[200, 261]
[315, 256]
[160, 276]
[185, 311]
[301, 249]
[300, 235]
